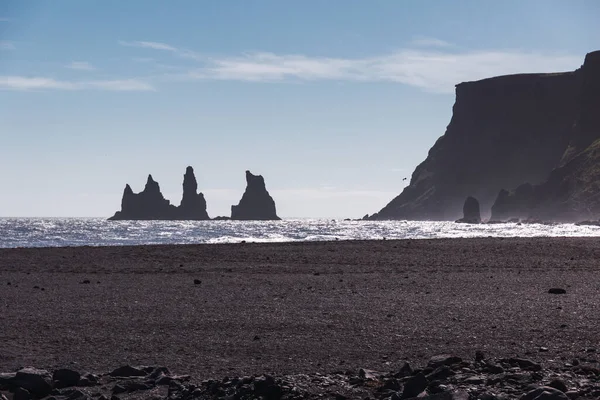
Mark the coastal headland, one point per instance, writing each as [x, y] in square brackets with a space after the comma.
[235, 309]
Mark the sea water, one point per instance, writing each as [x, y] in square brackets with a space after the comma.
[51, 232]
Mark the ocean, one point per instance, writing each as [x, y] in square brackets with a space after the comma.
[53, 232]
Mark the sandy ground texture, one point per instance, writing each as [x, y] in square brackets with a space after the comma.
[298, 307]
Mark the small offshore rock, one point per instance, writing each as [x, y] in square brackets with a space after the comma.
[545, 393]
[197, 281]
[126, 371]
[557, 291]
[471, 213]
[65, 378]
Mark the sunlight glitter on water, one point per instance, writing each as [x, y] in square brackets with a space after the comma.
[51, 232]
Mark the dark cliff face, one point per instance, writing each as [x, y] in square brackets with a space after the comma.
[150, 204]
[504, 131]
[572, 190]
[256, 203]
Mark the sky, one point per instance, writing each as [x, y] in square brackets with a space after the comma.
[333, 102]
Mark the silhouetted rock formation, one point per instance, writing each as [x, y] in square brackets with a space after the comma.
[471, 214]
[151, 205]
[193, 204]
[514, 205]
[572, 190]
[506, 131]
[256, 203]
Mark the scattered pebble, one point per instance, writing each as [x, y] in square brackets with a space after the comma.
[557, 291]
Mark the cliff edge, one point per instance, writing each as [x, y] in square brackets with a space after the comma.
[505, 132]
[572, 191]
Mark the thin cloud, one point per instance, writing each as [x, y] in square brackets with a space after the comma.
[149, 45]
[423, 41]
[6, 45]
[81, 66]
[41, 83]
[183, 53]
[434, 70]
[430, 70]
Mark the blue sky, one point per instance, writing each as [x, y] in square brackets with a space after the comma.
[333, 102]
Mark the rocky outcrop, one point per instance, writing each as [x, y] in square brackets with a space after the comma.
[572, 191]
[193, 204]
[150, 204]
[515, 205]
[505, 131]
[471, 212]
[445, 377]
[256, 203]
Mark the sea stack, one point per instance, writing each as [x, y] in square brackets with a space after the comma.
[150, 203]
[471, 214]
[193, 204]
[256, 203]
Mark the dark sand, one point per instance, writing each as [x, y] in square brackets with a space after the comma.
[294, 308]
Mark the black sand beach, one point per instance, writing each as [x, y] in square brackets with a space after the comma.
[298, 307]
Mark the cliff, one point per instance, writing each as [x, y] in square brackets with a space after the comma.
[150, 204]
[504, 132]
[256, 202]
[572, 190]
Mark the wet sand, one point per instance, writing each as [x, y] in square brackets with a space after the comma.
[298, 307]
